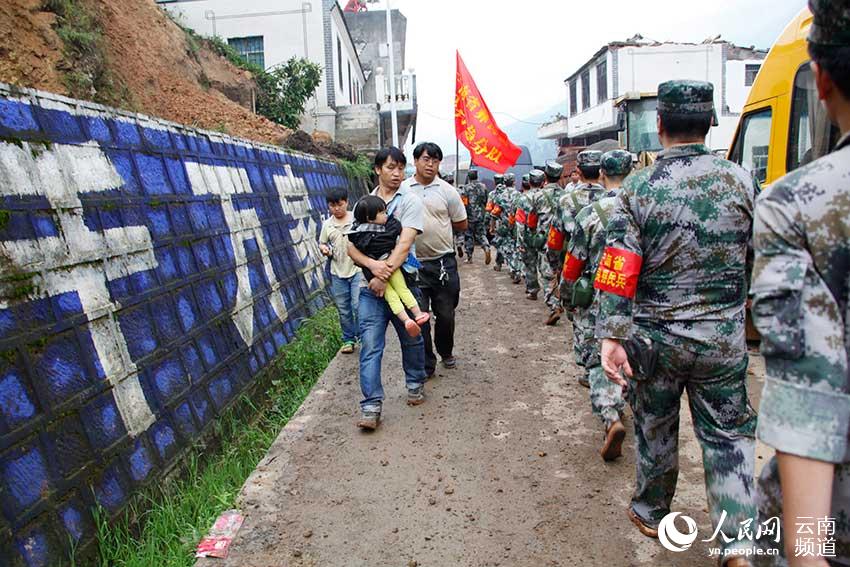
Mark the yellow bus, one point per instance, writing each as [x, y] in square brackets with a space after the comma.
[783, 125]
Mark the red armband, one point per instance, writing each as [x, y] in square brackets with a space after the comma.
[489, 206]
[531, 220]
[555, 241]
[618, 272]
[497, 210]
[572, 268]
[520, 216]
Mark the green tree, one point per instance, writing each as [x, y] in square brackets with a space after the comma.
[285, 90]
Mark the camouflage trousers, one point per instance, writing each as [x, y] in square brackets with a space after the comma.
[585, 346]
[531, 269]
[724, 424]
[606, 397]
[476, 233]
[498, 243]
[553, 261]
[513, 255]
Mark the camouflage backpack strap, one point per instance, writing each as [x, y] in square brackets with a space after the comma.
[600, 212]
[576, 204]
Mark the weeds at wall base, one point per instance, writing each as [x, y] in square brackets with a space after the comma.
[162, 525]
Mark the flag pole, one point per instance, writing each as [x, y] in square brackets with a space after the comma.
[457, 161]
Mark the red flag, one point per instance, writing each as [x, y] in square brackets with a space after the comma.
[476, 128]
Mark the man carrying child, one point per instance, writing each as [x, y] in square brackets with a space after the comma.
[374, 312]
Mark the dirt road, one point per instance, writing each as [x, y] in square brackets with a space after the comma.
[499, 467]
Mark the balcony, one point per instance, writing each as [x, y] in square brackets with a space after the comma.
[553, 130]
[405, 91]
[405, 104]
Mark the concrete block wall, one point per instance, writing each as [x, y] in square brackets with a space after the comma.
[359, 125]
[148, 273]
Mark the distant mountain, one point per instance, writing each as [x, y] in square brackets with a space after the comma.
[525, 134]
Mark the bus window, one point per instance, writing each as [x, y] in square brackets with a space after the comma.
[810, 134]
[751, 147]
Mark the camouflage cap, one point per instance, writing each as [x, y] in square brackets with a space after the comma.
[589, 158]
[686, 97]
[472, 175]
[553, 169]
[831, 25]
[617, 163]
[498, 178]
[526, 178]
[536, 177]
[510, 178]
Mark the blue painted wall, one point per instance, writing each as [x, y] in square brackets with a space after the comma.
[148, 273]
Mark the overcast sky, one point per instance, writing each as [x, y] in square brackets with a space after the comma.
[520, 52]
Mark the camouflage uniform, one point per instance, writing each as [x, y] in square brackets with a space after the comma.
[552, 259]
[529, 236]
[801, 296]
[585, 249]
[506, 228]
[582, 195]
[511, 201]
[476, 200]
[679, 233]
[497, 241]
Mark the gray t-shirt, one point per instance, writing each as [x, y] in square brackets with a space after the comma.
[442, 206]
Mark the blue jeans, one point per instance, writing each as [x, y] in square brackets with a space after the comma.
[346, 292]
[374, 315]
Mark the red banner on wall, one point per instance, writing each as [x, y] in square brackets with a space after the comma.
[476, 128]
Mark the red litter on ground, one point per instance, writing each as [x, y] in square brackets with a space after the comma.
[217, 542]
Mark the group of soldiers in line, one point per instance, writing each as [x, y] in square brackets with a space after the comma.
[654, 267]
[555, 215]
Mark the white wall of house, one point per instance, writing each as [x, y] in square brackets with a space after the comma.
[737, 91]
[349, 77]
[641, 68]
[289, 28]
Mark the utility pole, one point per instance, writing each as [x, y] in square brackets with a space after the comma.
[392, 75]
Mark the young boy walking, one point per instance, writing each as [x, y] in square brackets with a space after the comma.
[346, 278]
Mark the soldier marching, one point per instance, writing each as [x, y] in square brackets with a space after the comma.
[654, 267]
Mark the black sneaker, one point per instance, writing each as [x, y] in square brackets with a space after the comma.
[416, 396]
[449, 362]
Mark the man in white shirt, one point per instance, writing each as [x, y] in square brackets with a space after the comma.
[439, 279]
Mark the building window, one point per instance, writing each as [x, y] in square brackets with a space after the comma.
[602, 82]
[250, 48]
[339, 63]
[573, 98]
[350, 92]
[750, 72]
[585, 89]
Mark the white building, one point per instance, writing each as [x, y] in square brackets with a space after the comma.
[613, 95]
[269, 32]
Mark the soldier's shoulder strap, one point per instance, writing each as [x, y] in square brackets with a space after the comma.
[600, 212]
[576, 204]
